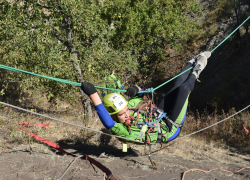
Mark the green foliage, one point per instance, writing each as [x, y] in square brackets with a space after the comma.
[52, 37]
[212, 29]
[229, 7]
[148, 28]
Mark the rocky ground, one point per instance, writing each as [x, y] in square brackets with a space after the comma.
[18, 162]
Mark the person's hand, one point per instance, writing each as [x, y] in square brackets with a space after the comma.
[132, 91]
[88, 88]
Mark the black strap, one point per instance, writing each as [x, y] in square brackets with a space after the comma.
[159, 133]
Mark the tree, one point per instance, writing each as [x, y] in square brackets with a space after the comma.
[149, 28]
[234, 7]
[79, 40]
[38, 37]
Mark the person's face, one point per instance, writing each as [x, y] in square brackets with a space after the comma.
[123, 115]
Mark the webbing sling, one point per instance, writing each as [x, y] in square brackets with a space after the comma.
[86, 157]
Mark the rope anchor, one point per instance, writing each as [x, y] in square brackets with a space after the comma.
[149, 156]
[152, 162]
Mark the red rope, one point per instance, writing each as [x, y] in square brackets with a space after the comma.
[57, 147]
[151, 106]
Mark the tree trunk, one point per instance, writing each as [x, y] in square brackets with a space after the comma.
[85, 99]
[237, 7]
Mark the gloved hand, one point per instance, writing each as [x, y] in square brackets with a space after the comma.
[132, 91]
[88, 88]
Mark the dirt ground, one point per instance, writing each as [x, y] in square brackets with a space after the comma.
[18, 162]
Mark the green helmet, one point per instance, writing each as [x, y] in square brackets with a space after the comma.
[114, 103]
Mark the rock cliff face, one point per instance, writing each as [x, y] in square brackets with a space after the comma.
[225, 82]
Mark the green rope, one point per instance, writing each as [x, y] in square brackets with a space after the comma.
[120, 90]
[57, 79]
[211, 52]
[173, 78]
[79, 84]
[51, 78]
[230, 34]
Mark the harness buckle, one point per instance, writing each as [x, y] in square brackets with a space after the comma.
[172, 122]
[157, 112]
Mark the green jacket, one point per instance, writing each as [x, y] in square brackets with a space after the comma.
[123, 130]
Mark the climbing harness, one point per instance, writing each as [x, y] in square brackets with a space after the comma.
[152, 111]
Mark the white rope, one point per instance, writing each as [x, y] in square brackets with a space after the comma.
[213, 124]
[69, 123]
[120, 136]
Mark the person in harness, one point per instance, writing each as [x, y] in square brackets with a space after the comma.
[154, 124]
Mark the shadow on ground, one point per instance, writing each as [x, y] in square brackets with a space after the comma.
[95, 150]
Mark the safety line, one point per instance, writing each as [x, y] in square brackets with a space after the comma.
[173, 78]
[79, 84]
[119, 137]
[211, 52]
[212, 124]
[178, 138]
[230, 34]
[58, 79]
[121, 90]
[47, 77]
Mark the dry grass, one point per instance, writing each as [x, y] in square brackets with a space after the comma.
[57, 132]
[228, 134]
